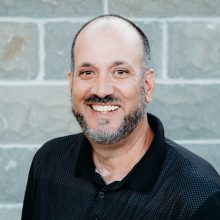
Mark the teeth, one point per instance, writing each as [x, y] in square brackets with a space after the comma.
[104, 108]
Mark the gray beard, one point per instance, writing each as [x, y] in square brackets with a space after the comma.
[103, 136]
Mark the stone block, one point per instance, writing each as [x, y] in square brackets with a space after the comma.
[35, 114]
[18, 51]
[58, 42]
[153, 31]
[188, 111]
[194, 50]
[210, 152]
[14, 168]
[50, 8]
[10, 214]
[159, 8]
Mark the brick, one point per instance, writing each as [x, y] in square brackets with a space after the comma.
[188, 111]
[210, 152]
[153, 31]
[14, 168]
[18, 51]
[58, 42]
[10, 214]
[51, 8]
[142, 8]
[194, 50]
[35, 114]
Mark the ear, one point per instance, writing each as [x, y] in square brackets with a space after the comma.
[70, 79]
[149, 84]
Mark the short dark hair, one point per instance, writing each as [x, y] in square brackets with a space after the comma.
[143, 37]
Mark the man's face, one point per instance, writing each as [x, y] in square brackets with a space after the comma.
[106, 86]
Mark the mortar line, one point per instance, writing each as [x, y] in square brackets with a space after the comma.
[164, 54]
[10, 206]
[188, 81]
[65, 82]
[205, 141]
[37, 146]
[105, 6]
[41, 51]
[35, 83]
[84, 19]
[20, 146]
[176, 19]
[44, 20]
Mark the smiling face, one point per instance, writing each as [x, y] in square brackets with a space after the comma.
[108, 89]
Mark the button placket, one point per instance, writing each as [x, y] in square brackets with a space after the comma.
[99, 204]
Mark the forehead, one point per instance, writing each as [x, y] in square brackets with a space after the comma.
[106, 35]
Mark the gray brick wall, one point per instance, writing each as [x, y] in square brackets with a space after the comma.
[35, 45]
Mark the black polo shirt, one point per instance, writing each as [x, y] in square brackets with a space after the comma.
[142, 177]
[168, 182]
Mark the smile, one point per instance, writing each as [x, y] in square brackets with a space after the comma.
[105, 108]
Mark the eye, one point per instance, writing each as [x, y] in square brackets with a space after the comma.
[121, 73]
[86, 73]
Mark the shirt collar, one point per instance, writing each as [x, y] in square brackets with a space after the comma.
[145, 173]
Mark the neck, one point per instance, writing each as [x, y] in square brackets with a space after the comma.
[114, 162]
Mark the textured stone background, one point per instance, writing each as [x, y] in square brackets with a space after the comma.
[35, 45]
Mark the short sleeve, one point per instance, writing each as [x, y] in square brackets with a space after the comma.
[210, 209]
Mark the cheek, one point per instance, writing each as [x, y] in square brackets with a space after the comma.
[78, 90]
[131, 93]
[78, 93]
[131, 90]
[75, 96]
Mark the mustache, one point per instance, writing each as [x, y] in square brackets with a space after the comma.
[106, 99]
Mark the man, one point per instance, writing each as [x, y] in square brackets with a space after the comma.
[121, 166]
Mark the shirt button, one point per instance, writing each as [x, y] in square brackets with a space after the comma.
[101, 195]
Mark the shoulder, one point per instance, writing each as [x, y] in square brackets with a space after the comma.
[64, 142]
[57, 149]
[195, 180]
[191, 162]
[210, 209]
[61, 144]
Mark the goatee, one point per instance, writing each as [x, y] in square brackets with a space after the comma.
[103, 135]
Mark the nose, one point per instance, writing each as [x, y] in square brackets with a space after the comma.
[102, 86]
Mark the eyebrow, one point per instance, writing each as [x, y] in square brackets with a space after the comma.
[118, 63]
[86, 65]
